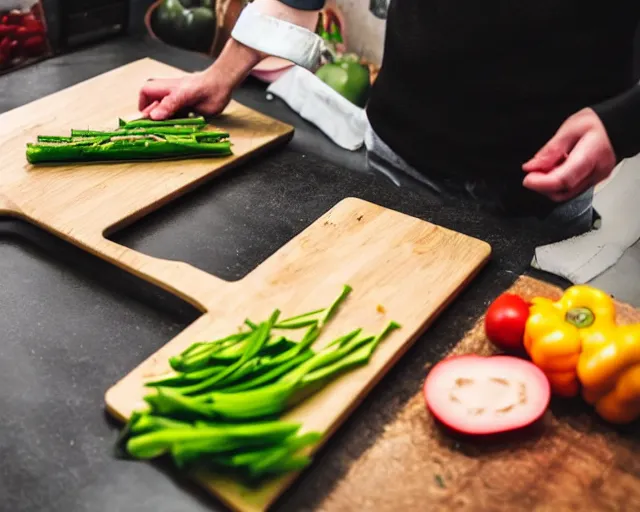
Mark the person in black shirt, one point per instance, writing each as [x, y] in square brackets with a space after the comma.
[522, 106]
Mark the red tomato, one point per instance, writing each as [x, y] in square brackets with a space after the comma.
[505, 322]
[7, 30]
[34, 26]
[5, 47]
[27, 18]
[13, 18]
[34, 46]
[22, 33]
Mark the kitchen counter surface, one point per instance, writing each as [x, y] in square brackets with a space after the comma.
[74, 325]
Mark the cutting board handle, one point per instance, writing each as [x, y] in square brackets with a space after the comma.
[7, 208]
[195, 286]
[191, 284]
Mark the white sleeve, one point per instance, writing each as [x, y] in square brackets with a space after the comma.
[277, 37]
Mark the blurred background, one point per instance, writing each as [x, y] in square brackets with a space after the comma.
[33, 30]
[62, 26]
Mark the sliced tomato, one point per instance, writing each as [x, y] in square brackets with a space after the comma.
[486, 395]
[505, 322]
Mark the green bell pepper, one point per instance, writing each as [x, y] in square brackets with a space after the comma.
[347, 77]
[191, 28]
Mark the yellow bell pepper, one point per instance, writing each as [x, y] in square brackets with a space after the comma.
[577, 343]
[555, 330]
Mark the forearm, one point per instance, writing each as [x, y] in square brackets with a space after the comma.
[234, 64]
[252, 44]
[621, 118]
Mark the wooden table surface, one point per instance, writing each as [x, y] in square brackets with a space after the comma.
[573, 461]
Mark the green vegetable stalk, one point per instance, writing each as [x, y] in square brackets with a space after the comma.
[123, 151]
[150, 123]
[141, 139]
[212, 438]
[158, 130]
[220, 408]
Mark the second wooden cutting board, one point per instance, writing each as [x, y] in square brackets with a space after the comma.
[401, 268]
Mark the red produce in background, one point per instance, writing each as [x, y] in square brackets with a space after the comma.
[23, 36]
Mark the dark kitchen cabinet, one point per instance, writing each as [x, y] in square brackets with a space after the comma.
[83, 22]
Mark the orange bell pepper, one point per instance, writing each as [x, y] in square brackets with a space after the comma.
[609, 371]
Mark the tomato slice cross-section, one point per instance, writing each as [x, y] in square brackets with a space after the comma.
[486, 395]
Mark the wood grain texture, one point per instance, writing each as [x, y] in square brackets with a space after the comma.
[410, 267]
[572, 462]
[84, 202]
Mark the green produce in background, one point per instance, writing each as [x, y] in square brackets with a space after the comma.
[188, 24]
[167, 19]
[348, 77]
[333, 35]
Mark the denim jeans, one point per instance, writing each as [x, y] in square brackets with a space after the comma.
[575, 216]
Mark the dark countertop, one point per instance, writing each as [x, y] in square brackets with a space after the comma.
[74, 325]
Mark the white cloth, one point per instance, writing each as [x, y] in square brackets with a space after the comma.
[277, 37]
[582, 258]
[339, 119]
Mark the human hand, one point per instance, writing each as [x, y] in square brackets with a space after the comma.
[207, 92]
[577, 157]
[161, 99]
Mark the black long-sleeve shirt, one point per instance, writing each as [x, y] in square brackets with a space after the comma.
[470, 87]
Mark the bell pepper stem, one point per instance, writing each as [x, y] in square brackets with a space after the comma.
[580, 317]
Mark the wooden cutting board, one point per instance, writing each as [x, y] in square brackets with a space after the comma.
[83, 202]
[411, 268]
[400, 268]
[575, 462]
